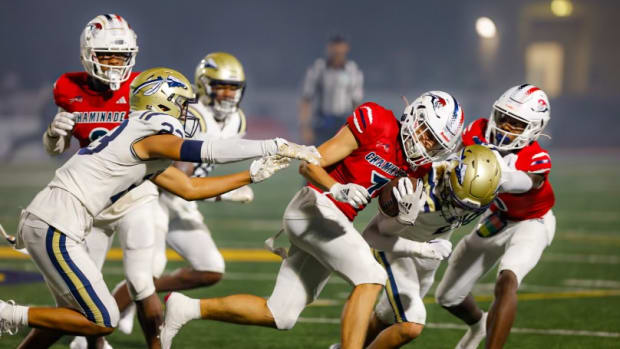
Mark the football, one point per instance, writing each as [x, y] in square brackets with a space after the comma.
[387, 201]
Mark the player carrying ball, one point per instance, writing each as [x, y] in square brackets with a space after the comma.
[372, 148]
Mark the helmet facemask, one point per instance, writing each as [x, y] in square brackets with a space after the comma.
[191, 124]
[520, 133]
[112, 75]
[420, 142]
[226, 106]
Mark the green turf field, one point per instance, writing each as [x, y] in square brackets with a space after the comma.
[570, 300]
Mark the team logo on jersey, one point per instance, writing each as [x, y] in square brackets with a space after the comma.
[384, 146]
[384, 165]
[154, 85]
[122, 100]
[76, 99]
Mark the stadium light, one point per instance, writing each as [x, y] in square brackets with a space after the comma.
[562, 8]
[485, 27]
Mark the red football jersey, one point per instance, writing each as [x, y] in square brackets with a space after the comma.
[531, 159]
[379, 157]
[99, 111]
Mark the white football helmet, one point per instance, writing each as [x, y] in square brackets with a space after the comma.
[525, 105]
[431, 127]
[108, 33]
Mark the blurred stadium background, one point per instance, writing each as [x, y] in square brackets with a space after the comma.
[569, 48]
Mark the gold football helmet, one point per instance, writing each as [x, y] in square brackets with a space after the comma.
[167, 91]
[220, 68]
[475, 178]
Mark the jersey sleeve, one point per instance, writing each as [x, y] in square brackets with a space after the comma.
[160, 123]
[61, 92]
[534, 160]
[369, 121]
[474, 133]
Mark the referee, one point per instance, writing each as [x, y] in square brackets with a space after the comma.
[332, 88]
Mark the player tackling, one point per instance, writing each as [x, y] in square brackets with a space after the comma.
[53, 226]
[372, 148]
[518, 226]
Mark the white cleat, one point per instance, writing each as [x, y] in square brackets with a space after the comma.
[179, 309]
[7, 318]
[80, 342]
[474, 335]
[125, 324]
[335, 346]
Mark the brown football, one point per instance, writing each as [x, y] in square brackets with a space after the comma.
[387, 201]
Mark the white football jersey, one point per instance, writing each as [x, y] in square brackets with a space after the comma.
[438, 216]
[101, 173]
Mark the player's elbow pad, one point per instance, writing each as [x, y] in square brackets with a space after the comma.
[226, 150]
[516, 182]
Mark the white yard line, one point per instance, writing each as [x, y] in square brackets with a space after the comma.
[581, 258]
[451, 326]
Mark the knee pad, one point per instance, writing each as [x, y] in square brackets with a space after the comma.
[140, 285]
[284, 315]
[448, 297]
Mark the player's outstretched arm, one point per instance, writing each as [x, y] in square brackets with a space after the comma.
[221, 150]
[332, 151]
[195, 188]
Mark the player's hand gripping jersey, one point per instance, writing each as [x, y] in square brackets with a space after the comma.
[379, 157]
[531, 159]
[99, 111]
[98, 175]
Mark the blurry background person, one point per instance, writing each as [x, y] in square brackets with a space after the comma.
[333, 86]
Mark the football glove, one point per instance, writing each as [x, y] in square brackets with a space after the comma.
[353, 194]
[438, 249]
[265, 167]
[409, 201]
[296, 151]
[62, 124]
[244, 194]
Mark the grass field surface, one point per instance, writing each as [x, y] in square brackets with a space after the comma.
[570, 300]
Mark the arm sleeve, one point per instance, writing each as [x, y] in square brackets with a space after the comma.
[222, 151]
[55, 145]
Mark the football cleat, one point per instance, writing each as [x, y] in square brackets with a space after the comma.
[178, 313]
[474, 335]
[7, 318]
[125, 324]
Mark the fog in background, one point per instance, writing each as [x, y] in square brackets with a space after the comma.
[403, 47]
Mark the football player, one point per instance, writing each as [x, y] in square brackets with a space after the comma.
[141, 148]
[220, 82]
[368, 151]
[90, 103]
[519, 224]
[411, 245]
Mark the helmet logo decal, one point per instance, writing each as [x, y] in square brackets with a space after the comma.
[210, 63]
[153, 85]
[174, 82]
[437, 102]
[156, 83]
[541, 106]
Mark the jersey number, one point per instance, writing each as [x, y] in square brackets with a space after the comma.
[103, 141]
[378, 181]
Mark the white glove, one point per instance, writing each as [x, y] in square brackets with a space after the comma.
[296, 151]
[409, 201]
[439, 249]
[265, 167]
[62, 124]
[353, 194]
[244, 194]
